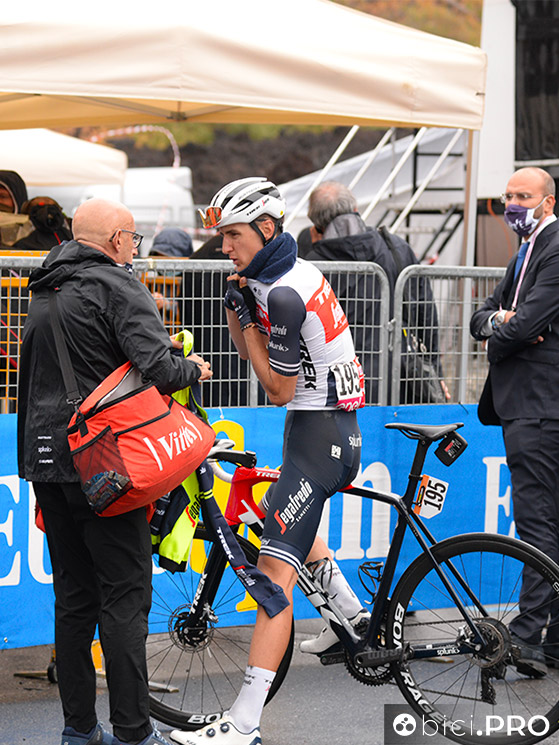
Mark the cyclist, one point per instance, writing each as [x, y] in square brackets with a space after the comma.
[284, 317]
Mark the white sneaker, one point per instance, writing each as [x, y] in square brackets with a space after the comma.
[327, 638]
[221, 732]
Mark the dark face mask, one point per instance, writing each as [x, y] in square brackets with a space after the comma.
[521, 219]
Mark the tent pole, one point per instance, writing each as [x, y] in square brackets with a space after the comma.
[468, 254]
[470, 199]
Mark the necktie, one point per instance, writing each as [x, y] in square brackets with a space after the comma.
[520, 258]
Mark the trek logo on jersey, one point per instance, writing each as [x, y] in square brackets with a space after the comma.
[297, 506]
[327, 307]
[307, 366]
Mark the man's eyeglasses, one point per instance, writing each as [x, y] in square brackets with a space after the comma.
[211, 217]
[136, 237]
[520, 197]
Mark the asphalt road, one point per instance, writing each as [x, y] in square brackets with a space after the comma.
[316, 704]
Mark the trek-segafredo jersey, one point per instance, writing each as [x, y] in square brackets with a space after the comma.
[308, 333]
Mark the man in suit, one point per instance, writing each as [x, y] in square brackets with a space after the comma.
[519, 325]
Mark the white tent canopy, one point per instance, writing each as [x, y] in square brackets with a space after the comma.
[304, 61]
[42, 157]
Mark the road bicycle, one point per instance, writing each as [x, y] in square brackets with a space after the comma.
[452, 605]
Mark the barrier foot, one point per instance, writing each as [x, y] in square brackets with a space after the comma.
[49, 673]
[161, 687]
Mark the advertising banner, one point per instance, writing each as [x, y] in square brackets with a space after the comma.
[356, 530]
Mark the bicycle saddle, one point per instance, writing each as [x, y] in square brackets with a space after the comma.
[431, 432]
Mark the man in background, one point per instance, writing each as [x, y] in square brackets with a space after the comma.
[340, 234]
[519, 326]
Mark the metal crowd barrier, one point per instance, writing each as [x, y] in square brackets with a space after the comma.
[189, 294]
[457, 292]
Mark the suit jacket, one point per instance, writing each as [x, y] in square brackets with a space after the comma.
[524, 376]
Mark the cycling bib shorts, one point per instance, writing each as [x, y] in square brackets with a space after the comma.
[321, 454]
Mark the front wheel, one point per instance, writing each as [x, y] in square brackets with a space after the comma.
[196, 673]
[471, 692]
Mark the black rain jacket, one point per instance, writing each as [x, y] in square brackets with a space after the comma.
[107, 317]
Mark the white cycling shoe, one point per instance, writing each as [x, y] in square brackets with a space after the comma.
[327, 638]
[222, 732]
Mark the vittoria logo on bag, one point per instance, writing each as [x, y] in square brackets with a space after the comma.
[176, 442]
[149, 440]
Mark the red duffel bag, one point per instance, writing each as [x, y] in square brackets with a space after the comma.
[131, 444]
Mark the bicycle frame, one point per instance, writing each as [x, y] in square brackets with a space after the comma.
[241, 508]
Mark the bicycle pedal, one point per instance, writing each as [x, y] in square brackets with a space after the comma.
[333, 656]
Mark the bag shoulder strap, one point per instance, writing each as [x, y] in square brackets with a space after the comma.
[387, 237]
[73, 396]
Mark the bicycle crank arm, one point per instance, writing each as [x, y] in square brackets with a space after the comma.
[377, 657]
[332, 658]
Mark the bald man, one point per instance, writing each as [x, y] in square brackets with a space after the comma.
[101, 565]
[519, 326]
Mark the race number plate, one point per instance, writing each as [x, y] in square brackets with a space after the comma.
[430, 497]
[349, 385]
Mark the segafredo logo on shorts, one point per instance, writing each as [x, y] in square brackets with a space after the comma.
[297, 505]
[175, 442]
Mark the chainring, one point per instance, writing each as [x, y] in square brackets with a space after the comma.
[370, 676]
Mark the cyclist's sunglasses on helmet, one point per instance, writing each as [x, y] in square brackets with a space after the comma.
[211, 217]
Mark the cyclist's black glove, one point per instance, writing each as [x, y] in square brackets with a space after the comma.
[242, 301]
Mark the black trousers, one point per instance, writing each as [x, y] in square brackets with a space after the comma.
[532, 448]
[102, 576]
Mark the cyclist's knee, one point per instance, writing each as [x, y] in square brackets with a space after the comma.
[280, 572]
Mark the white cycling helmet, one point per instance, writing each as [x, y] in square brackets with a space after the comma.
[244, 200]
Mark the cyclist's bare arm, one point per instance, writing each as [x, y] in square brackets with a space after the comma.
[280, 389]
[236, 333]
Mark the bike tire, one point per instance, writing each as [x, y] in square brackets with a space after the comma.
[455, 694]
[191, 686]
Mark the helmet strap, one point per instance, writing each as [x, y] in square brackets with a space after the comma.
[277, 230]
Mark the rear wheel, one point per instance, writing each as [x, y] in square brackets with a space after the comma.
[195, 674]
[476, 695]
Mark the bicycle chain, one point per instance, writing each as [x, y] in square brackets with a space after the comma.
[430, 690]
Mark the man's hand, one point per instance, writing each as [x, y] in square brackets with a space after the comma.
[239, 299]
[205, 370]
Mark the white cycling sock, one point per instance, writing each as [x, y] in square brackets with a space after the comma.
[247, 709]
[336, 585]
